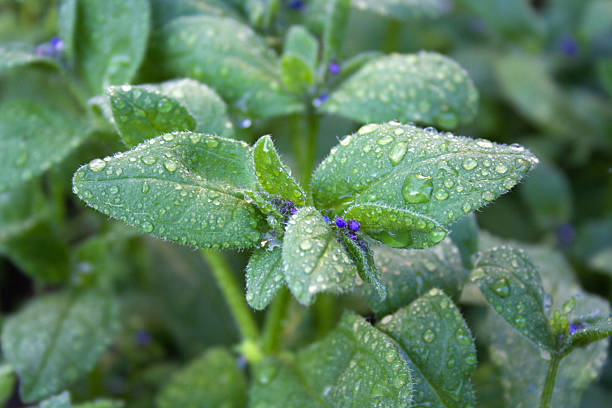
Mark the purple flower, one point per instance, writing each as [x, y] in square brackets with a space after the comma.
[354, 225]
[319, 101]
[296, 4]
[142, 337]
[56, 43]
[568, 46]
[340, 222]
[334, 68]
[293, 210]
[245, 123]
[565, 234]
[326, 219]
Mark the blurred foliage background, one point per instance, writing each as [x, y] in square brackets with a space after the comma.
[544, 72]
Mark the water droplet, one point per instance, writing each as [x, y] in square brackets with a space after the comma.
[441, 195]
[170, 165]
[448, 183]
[149, 160]
[145, 187]
[462, 337]
[364, 130]
[501, 168]
[429, 336]
[488, 196]
[520, 307]
[484, 143]
[470, 359]
[168, 137]
[397, 153]
[212, 143]
[469, 164]
[147, 226]
[437, 236]
[97, 165]
[385, 140]
[501, 288]
[451, 362]
[417, 189]
[305, 245]
[466, 207]
[114, 189]
[520, 321]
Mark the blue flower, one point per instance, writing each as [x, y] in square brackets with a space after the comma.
[296, 4]
[319, 101]
[340, 222]
[354, 225]
[334, 68]
[326, 219]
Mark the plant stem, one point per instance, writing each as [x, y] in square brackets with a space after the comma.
[233, 295]
[324, 313]
[305, 146]
[549, 383]
[392, 37]
[274, 321]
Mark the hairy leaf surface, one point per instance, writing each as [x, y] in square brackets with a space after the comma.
[314, 261]
[355, 366]
[425, 87]
[184, 187]
[264, 277]
[439, 347]
[512, 285]
[57, 338]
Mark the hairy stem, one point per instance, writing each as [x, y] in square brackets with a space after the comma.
[274, 321]
[549, 383]
[304, 144]
[233, 295]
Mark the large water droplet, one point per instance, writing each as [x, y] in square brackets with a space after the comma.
[429, 336]
[305, 245]
[469, 163]
[97, 165]
[170, 165]
[364, 130]
[417, 189]
[501, 288]
[147, 226]
[462, 337]
[501, 168]
[149, 160]
[397, 153]
[386, 139]
[488, 196]
[520, 321]
[441, 195]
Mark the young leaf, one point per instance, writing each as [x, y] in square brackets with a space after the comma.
[57, 401]
[439, 176]
[19, 55]
[582, 337]
[264, 277]
[34, 137]
[439, 350]
[164, 11]
[335, 24]
[512, 285]
[142, 114]
[57, 338]
[184, 187]
[404, 9]
[354, 366]
[212, 380]
[297, 76]
[425, 87]
[363, 258]
[464, 234]
[301, 43]
[67, 20]
[228, 56]
[111, 38]
[408, 274]
[396, 227]
[313, 259]
[273, 175]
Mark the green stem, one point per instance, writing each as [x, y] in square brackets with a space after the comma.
[304, 145]
[549, 383]
[274, 321]
[233, 295]
[392, 37]
[324, 313]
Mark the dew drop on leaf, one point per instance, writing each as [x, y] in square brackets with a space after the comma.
[147, 227]
[170, 165]
[417, 189]
[428, 336]
[397, 153]
[305, 245]
[469, 164]
[501, 288]
[97, 165]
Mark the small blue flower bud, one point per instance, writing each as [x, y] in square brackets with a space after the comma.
[326, 219]
[340, 223]
[56, 43]
[572, 329]
[334, 68]
[319, 101]
[354, 225]
[245, 123]
[293, 210]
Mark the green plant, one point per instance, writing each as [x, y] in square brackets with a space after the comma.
[382, 227]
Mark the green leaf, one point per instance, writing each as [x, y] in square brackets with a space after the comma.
[354, 64]
[596, 20]
[7, 383]
[33, 138]
[301, 43]
[191, 184]
[273, 175]
[264, 277]
[297, 76]
[261, 12]
[313, 260]
[67, 21]
[363, 258]
[228, 56]
[21, 208]
[111, 39]
[335, 24]
[210, 381]
[19, 55]
[548, 194]
[439, 350]
[142, 114]
[509, 18]
[355, 366]
[208, 109]
[72, 331]
[599, 330]
[164, 11]
[403, 167]
[425, 87]
[57, 401]
[408, 274]
[512, 285]
[604, 71]
[404, 9]
[101, 403]
[464, 234]
[40, 252]
[396, 227]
